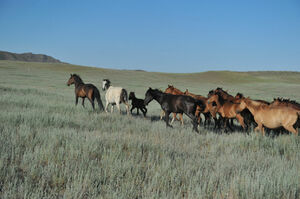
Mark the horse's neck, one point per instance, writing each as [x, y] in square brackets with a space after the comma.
[109, 87]
[252, 106]
[78, 83]
[159, 97]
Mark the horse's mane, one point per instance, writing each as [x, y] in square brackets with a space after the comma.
[77, 78]
[176, 89]
[211, 92]
[287, 101]
[262, 101]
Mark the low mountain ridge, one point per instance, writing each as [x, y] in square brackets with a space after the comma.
[28, 57]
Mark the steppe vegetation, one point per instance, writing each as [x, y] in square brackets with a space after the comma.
[49, 148]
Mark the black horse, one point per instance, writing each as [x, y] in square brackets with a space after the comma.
[137, 103]
[175, 104]
[85, 90]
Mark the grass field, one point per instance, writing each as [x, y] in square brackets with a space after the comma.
[49, 148]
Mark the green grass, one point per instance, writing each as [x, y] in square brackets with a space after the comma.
[49, 148]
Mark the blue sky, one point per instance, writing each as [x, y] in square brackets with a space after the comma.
[165, 36]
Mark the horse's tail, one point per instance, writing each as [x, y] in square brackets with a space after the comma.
[98, 98]
[124, 96]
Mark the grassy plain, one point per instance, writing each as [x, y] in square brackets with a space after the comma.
[49, 148]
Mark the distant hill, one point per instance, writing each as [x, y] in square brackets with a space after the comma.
[28, 57]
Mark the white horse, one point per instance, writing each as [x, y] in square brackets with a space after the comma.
[114, 96]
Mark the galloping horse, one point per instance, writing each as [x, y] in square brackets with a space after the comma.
[228, 109]
[174, 91]
[206, 112]
[175, 104]
[114, 96]
[272, 116]
[85, 90]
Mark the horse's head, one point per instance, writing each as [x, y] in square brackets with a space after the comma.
[239, 96]
[149, 95]
[105, 84]
[131, 96]
[170, 89]
[71, 80]
[210, 93]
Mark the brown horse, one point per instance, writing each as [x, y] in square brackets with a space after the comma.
[272, 116]
[85, 90]
[174, 91]
[227, 109]
[222, 93]
[206, 111]
[212, 107]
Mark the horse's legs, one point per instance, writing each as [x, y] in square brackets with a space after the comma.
[76, 100]
[194, 121]
[291, 129]
[174, 116]
[144, 110]
[112, 108]
[92, 102]
[216, 122]
[127, 108]
[181, 118]
[83, 101]
[118, 107]
[260, 128]
[137, 112]
[207, 118]
[167, 113]
[241, 121]
[162, 113]
[132, 109]
[106, 106]
[226, 124]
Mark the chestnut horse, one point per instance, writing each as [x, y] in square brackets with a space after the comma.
[206, 112]
[174, 91]
[85, 90]
[228, 109]
[272, 116]
[212, 106]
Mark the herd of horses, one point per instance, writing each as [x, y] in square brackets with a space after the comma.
[219, 105]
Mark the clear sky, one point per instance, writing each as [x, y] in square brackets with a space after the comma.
[166, 36]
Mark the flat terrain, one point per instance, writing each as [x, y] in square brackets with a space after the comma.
[49, 148]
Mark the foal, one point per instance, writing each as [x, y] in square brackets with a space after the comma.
[114, 96]
[137, 103]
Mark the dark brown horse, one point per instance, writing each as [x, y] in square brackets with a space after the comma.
[175, 104]
[85, 90]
